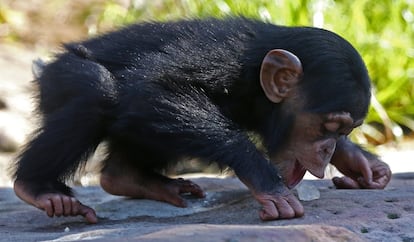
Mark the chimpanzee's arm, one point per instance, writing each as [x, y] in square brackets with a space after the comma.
[361, 168]
[180, 119]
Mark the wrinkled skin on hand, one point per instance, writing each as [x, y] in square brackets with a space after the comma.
[54, 204]
[361, 169]
[280, 205]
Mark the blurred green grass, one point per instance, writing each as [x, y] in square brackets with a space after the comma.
[381, 30]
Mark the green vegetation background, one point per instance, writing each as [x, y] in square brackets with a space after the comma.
[381, 30]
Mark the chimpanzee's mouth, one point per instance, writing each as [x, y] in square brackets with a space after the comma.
[296, 175]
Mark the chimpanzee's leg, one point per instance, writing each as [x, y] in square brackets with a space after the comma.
[76, 100]
[123, 176]
[69, 134]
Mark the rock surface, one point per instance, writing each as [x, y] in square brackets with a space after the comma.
[228, 213]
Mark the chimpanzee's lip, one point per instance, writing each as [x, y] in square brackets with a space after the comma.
[296, 175]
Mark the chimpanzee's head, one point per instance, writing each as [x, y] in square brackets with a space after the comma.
[323, 88]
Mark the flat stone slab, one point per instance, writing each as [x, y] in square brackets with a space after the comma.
[228, 213]
[239, 233]
[116, 208]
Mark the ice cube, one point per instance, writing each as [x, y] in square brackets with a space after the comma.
[307, 192]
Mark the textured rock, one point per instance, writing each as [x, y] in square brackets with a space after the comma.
[232, 233]
[229, 213]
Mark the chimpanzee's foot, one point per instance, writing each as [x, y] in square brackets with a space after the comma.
[149, 186]
[54, 204]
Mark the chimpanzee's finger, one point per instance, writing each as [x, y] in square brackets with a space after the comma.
[345, 183]
[88, 213]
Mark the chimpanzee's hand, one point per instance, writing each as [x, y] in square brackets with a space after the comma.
[360, 170]
[279, 205]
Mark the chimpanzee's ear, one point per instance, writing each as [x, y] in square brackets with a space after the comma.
[280, 72]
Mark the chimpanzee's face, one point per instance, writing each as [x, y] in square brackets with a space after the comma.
[311, 144]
